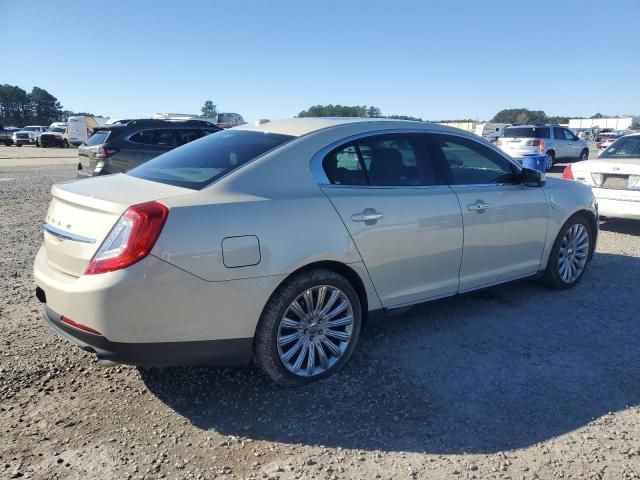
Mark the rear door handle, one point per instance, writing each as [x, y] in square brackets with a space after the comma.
[368, 216]
[477, 207]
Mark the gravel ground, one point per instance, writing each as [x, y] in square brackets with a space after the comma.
[515, 382]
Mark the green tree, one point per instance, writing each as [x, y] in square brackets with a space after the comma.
[520, 116]
[404, 117]
[209, 110]
[374, 112]
[597, 115]
[340, 111]
[45, 108]
[15, 106]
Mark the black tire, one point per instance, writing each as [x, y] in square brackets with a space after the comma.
[584, 155]
[552, 154]
[552, 274]
[265, 354]
[18, 144]
[65, 144]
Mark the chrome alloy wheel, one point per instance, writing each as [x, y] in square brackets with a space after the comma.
[315, 330]
[573, 254]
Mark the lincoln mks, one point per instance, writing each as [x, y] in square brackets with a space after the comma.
[275, 242]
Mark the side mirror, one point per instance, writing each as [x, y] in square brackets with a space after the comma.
[533, 178]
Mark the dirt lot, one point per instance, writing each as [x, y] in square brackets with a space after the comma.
[516, 382]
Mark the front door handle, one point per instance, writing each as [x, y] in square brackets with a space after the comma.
[478, 207]
[368, 216]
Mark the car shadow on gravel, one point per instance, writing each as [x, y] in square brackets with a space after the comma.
[621, 225]
[501, 369]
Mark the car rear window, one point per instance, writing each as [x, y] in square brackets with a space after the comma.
[97, 138]
[527, 132]
[201, 162]
[625, 147]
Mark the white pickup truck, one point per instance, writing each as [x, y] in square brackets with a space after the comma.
[28, 135]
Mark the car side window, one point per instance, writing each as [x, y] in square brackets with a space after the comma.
[558, 134]
[471, 163]
[186, 135]
[343, 167]
[388, 160]
[145, 137]
[165, 138]
[568, 135]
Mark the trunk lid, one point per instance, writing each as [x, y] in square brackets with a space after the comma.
[82, 213]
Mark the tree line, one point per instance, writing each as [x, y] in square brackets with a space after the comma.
[37, 107]
[350, 111]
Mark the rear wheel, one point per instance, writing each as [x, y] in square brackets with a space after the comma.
[570, 254]
[308, 329]
[584, 155]
[552, 156]
[18, 144]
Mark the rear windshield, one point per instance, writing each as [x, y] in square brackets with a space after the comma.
[97, 138]
[624, 147]
[199, 163]
[527, 132]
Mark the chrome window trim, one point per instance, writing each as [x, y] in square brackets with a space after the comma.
[319, 175]
[61, 234]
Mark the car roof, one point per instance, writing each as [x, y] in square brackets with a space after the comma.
[301, 126]
[153, 122]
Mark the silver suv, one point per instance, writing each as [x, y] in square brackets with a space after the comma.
[556, 141]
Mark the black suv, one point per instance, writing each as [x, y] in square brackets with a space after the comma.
[126, 144]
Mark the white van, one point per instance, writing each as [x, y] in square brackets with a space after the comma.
[491, 131]
[79, 129]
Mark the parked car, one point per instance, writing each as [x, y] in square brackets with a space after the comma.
[228, 120]
[6, 135]
[556, 141]
[614, 178]
[28, 135]
[274, 242]
[119, 147]
[55, 136]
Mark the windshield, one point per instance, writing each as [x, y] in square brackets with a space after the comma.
[56, 129]
[199, 163]
[526, 132]
[30, 129]
[624, 147]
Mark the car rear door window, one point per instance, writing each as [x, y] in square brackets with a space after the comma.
[471, 163]
[389, 160]
[558, 134]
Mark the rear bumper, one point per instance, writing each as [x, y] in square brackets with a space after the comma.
[228, 352]
[608, 207]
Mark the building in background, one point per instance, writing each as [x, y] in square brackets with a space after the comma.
[617, 123]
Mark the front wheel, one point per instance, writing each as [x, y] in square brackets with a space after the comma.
[570, 254]
[308, 329]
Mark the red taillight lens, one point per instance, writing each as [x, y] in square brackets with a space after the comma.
[568, 173]
[533, 143]
[79, 326]
[103, 152]
[541, 146]
[131, 239]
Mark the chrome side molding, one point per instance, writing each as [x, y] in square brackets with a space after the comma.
[61, 234]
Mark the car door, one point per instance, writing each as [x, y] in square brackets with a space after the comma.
[563, 150]
[505, 222]
[402, 216]
[573, 145]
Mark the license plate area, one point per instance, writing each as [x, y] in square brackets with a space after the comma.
[618, 182]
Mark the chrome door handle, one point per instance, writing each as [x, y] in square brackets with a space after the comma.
[475, 207]
[368, 216]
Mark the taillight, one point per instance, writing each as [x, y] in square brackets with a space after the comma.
[131, 239]
[568, 173]
[79, 326]
[536, 143]
[104, 152]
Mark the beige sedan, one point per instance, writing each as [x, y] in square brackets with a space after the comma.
[275, 242]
